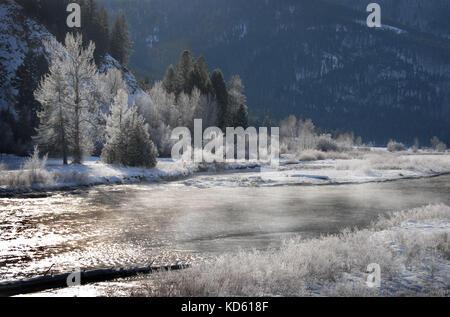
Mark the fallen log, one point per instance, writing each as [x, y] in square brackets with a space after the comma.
[42, 283]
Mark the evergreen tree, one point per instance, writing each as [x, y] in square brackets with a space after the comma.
[170, 82]
[95, 28]
[121, 44]
[128, 141]
[200, 77]
[185, 68]
[221, 93]
[7, 143]
[241, 117]
[26, 81]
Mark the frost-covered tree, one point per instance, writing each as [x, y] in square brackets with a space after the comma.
[75, 74]
[110, 84]
[128, 140]
[186, 106]
[297, 135]
[114, 126]
[83, 109]
[162, 115]
[52, 94]
[237, 102]
[207, 110]
[438, 145]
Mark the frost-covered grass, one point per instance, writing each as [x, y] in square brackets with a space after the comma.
[411, 247]
[311, 167]
[34, 173]
[392, 161]
[315, 155]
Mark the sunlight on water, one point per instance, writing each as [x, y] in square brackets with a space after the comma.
[111, 226]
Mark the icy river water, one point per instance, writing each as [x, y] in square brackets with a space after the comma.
[128, 225]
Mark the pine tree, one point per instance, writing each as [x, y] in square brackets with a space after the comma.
[221, 93]
[200, 77]
[170, 82]
[241, 117]
[26, 81]
[139, 149]
[96, 28]
[185, 68]
[128, 141]
[121, 44]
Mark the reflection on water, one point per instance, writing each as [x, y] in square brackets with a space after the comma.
[138, 224]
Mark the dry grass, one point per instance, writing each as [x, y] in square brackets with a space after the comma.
[392, 161]
[34, 173]
[315, 155]
[330, 266]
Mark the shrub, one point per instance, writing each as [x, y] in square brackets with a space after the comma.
[326, 144]
[438, 145]
[395, 146]
[311, 155]
[32, 173]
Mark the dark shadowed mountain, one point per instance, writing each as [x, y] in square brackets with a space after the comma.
[313, 59]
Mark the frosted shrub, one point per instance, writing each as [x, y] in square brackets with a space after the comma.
[34, 163]
[326, 144]
[332, 265]
[297, 135]
[438, 145]
[32, 173]
[71, 177]
[394, 146]
[311, 155]
[346, 141]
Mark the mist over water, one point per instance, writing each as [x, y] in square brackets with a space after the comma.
[116, 226]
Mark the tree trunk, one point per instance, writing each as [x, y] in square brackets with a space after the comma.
[43, 283]
[77, 155]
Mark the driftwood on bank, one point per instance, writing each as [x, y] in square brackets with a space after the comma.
[42, 283]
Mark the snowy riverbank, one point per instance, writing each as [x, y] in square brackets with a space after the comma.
[375, 166]
[411, 248]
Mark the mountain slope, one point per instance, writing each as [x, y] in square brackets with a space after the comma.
[20, 37]
[314, 59]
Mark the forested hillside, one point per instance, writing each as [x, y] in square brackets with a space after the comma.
[26, 26]
[69, 90]
[314, 59]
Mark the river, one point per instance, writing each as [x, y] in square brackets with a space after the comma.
[127, 225]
